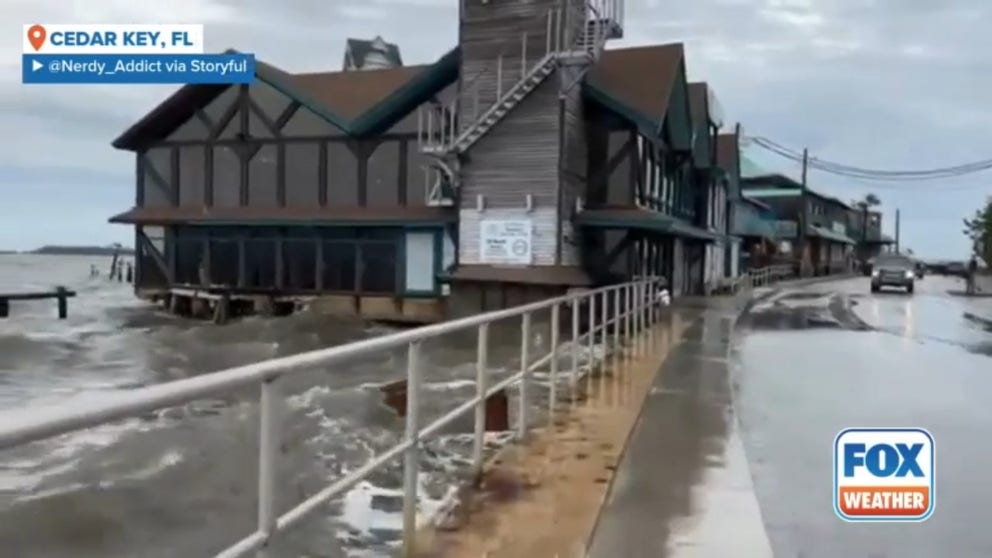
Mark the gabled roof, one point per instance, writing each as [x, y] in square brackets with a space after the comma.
[358, 103]
[727, 152]
[359, 49]
[698, 93]
[638, 82]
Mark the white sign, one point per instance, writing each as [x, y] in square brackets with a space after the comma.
[505, 242]
[839, 228]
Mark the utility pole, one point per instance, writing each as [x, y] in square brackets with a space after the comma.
[803, 217]
[897, 231]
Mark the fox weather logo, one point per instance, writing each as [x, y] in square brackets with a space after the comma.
[884, 474]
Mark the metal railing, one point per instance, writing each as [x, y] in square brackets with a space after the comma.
[623, 310]
[763, 276]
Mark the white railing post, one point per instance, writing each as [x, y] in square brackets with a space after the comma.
[617, 318]
[420, 127]
[628, 312]
[430, 126]
[270, 420]
[499, 77]
[481, 386]
[524, 376]
[575, 341]
[606, 322]
[411, 459]
[555, 326]
[591, 342]
[475, 102]
[523, 56]
[547, 40]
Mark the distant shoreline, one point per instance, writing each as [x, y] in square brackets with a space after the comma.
[73, 251]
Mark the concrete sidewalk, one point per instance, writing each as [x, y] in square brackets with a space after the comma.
[683, 488]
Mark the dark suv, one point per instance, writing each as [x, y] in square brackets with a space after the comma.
[893, 270]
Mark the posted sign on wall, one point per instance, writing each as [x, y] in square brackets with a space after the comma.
[505, 242]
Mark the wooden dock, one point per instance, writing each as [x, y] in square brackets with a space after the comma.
[61, 294]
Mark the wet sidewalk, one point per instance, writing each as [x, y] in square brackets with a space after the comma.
[683, 487]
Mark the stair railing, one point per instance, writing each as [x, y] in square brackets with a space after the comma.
[576, 27]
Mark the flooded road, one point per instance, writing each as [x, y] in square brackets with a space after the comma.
[812, 361]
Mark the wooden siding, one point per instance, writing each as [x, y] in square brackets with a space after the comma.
[517, 158]
[490, 30]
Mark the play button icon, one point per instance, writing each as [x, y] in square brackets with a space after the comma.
[35, 65]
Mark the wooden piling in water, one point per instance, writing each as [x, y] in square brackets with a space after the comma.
[61, 294]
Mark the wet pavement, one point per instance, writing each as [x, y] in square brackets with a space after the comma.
[683, 487]
[816, 360]
[732, 454]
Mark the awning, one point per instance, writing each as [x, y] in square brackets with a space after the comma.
[828, 234]
[643, 220]
[285, 216]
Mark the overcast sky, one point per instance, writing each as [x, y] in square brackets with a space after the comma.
[892, 84]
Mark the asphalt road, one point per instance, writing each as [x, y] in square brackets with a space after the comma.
[812, 361]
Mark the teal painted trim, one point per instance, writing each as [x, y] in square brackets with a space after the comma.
[316, 223]
[642, 121]
[772, 193]
[438, 259]
[414, 93]
[399, 103]
[656, 222]
[271, 78]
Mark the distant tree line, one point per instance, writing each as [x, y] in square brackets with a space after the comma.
[84, 250]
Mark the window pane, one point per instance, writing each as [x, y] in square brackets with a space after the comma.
[339, 266]
[299, 264]
[378, 267]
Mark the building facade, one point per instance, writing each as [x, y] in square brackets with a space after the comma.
[525, 162]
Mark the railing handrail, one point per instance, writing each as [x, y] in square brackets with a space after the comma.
[639, 300]
[60, 420]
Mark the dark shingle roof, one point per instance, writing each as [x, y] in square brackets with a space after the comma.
[356, 102]
[639, 79]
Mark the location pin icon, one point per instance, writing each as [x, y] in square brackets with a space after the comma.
[36, 36]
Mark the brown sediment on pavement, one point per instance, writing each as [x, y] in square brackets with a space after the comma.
[542, 499]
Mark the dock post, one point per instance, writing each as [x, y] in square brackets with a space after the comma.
[63, 302]
[4, 307]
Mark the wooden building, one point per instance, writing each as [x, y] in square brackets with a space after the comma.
[870, 240]
[827, 247]
[713, 182]
[525, 162]
[300, 184]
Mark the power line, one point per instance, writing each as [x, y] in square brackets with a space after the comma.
[851, 171]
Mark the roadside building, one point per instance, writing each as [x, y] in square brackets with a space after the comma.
[870, 240]
[525, 162]
[712, 183]
[826, 246]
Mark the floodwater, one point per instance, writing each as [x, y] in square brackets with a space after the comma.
[182, 481]
[816, 360]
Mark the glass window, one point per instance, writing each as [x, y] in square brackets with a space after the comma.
[339, 265]
[378, 267]
[224, 262]
[299, 265]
